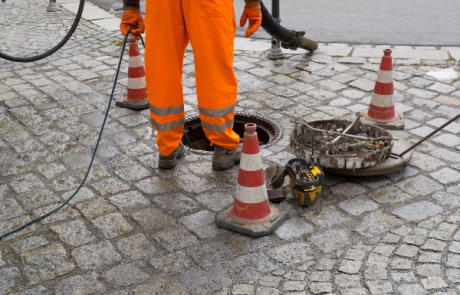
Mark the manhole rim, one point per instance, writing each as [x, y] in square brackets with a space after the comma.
[278, 131]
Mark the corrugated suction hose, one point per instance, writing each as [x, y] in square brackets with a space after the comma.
[289, 39]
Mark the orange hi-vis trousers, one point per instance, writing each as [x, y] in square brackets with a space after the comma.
[210, 27]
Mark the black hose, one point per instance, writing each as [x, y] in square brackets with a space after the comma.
[55, 48]
[289, 39]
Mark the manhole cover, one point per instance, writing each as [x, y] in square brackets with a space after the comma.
[268, 132]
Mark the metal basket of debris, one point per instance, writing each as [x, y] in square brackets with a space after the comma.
[341, 144]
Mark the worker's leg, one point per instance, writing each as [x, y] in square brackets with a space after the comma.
[211, 28]
[166, 41]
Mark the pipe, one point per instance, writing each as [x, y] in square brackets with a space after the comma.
[289, 39]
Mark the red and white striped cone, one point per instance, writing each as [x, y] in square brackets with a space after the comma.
[251, 212]
[137, 89]
[381, 110]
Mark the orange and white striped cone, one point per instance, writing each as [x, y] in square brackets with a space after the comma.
[381, 110]
[251, 213]
[137, 89]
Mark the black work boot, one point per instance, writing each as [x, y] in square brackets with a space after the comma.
[224, 159]
[169, 162]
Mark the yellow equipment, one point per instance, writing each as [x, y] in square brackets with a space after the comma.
[306, 181]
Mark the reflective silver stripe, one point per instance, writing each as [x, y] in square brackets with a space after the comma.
[167, 126]
[217, 128]
[217, 113]
[166, 111]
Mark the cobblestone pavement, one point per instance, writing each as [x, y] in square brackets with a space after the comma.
[135, 229]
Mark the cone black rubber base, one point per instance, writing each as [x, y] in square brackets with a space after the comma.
[259, 229]
[397, 124]
[124, 103]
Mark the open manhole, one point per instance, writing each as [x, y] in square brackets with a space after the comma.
[267, 130]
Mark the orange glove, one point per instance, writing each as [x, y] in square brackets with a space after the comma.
[132, 18]
[255, 20]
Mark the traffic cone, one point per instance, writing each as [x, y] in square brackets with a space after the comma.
[251, 213]
[137, 89]
[381, 110]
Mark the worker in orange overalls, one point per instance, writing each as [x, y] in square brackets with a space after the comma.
[210, 26]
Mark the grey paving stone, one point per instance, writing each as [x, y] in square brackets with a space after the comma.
[175, 238]
[347, 281]
[73, 233]
[266, 291]
[453, 275]
[407, 251]
[425, 162]
[291, 253]
[414, 240]
[347, 189]
[376, 223]
[447, 140]
[363, 84]
[421, 93]
[125, 275]
[409, 289]
[242, 289]
[453, 260]
[350, 266]
[406, 172]
[136, 246]
[452, 127]
[201, 282]
[428, 270]
[194, 184]
[320, 276]
[320, 288]
[440, 87]
[379, 287]
[358, 206]
[81, 284]
[391, 238]
[216, 201]
[152, 218]
[401, 264]
[165, 286]
[135, 172]
[446, 155]
[331, 240]
[182, 205]
[112, 225]
[446, 176]
[417, 211]
[172, 263]
[419, 186]
[294, 228]
[96, 255]
[373, 273]
[83, 195]
[326, 217]
[154, 185]
[26, 183]
[95, 208]
[46, 264]
[431, 283]
[129, 200]
[389, 195]
[110, 186]
[76, 161]
[429, 257]
[28, 244]
[9, 278]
